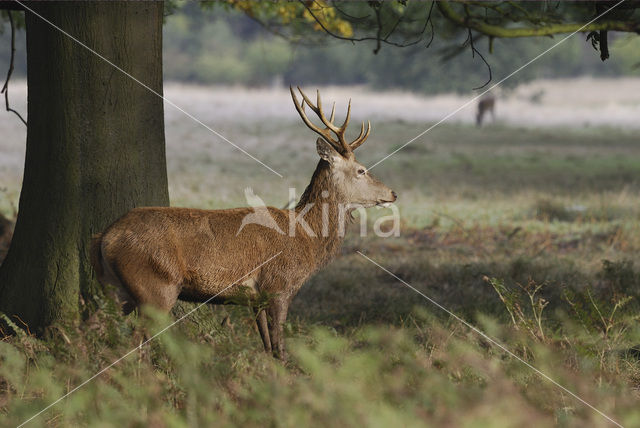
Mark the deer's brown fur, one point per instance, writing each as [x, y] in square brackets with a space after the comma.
[156, 255]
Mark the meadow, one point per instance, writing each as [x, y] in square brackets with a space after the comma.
[529, 233]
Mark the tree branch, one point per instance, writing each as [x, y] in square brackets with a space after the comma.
[546, 30]
[476, 51]
[5, 87]
[379, 33]
[273, 30]
[430, 21]
[360, 39]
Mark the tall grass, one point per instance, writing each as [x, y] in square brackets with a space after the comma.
[424, 370]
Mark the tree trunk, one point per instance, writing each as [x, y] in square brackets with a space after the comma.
[95, 149]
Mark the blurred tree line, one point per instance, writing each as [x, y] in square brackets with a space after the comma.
[224, 46]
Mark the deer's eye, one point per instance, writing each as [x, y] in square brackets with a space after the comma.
[361, 171]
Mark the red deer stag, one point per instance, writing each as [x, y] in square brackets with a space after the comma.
[156, 255]
[486, 105]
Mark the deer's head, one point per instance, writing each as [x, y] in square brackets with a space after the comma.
[351, 180]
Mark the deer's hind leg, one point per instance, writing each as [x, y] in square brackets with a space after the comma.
[119, 293]
[263, 328]
[149, 287]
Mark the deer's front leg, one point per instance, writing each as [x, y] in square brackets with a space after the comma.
[263, 328]
[277, 316]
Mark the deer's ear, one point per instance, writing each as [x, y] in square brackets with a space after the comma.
[327, 152]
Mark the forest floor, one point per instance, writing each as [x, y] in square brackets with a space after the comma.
[529, 233]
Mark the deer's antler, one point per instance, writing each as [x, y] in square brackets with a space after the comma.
[341, 145]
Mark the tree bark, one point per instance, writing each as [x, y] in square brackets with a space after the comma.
[95, 149]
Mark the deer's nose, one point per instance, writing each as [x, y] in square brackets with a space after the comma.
[395, 196]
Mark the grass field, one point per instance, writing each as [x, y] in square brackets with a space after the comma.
[530, 234]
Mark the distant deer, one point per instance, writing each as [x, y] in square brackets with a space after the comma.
[486, 105]
[155, 256]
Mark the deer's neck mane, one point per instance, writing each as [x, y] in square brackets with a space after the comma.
[324, 216]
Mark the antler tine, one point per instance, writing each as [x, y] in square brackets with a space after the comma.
[317, 109]
[328, 123]
[346, 120]
[300, 109]
[341, 130]
[341, 144]
[304, 98]
[325, 133]
[361, 138]
[305, 119]
[318, 100]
